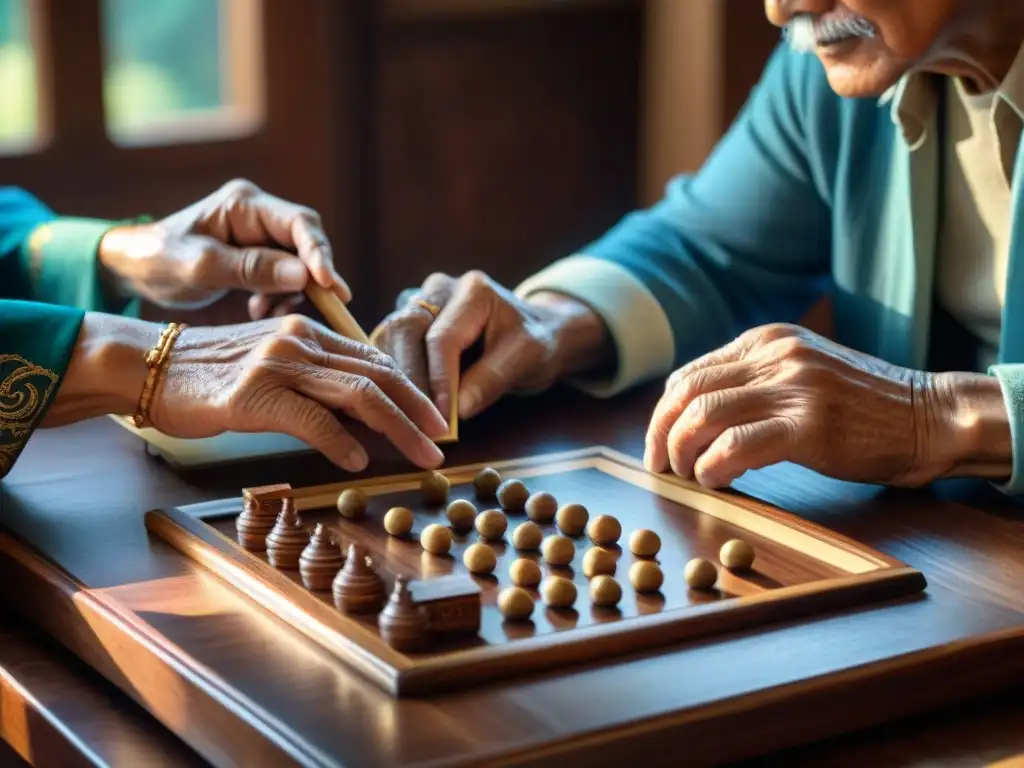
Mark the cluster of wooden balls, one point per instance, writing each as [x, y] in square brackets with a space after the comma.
[572, 520]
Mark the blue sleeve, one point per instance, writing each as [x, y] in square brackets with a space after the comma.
[746, 240]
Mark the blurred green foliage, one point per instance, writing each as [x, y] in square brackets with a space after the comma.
[162, 58]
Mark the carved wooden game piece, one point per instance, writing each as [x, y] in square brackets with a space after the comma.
[358, 588]
[558, 550]
[558, 592]
[700, 573]
[436, 539]
[597, 561]
[398, 521]
[571, 519]
[604, 530]
[541, 507]
[512, 495]
[736, 555]
[352, 503]
[321, 560]
[527, 536]
[260, 508]
[486, 484]
[605, 591]
[452, 604]
[646, 576]
[644, 543]
[287, 539]
[515, 603]
[491, 524]
[402, 623]
[435, 487]
[461, 514]
[524, 573]
[479, 558]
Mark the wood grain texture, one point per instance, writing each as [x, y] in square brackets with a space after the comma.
[80, 493]
[798, 572]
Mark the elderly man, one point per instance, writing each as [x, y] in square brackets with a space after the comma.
[881, 171]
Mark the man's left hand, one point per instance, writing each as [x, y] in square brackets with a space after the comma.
[782, 393]
[239, 237]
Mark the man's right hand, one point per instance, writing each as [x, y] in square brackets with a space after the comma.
[528, 344]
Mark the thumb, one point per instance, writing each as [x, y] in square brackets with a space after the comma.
[255, 269]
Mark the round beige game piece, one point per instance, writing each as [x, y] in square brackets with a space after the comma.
[436, 539]
[644, 543]
[512, 495]
[598, 561]
[605, 591]
[491, 524]
[558, 592]
[527, 536]
[486, 483]
[435, 487]
[398, 521]
[479, 558]
[604, 530]
[736, 555]
[558, 550]
[461, 514]
[571, 519]
[645, 576]
[700, 573]
[541, 507]
[515, 603]
[524, 573]
[352, 503]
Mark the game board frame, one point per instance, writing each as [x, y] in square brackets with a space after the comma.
[871, 576]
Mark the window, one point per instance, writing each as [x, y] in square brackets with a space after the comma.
[19, 107]
[177, 70]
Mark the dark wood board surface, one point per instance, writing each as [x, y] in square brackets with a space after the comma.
[968, 551]
[799, 569]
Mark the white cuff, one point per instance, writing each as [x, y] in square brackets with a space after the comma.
[638, 325]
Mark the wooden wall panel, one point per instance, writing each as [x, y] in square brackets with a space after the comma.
[502, 142]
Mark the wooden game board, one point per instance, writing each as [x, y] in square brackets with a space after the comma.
[801, 569]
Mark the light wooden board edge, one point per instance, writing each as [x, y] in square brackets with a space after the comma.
[92, 606]
[400, 675]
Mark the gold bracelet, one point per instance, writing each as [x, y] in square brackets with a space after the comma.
[156, 361]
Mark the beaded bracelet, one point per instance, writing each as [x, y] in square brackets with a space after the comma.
[156, 360]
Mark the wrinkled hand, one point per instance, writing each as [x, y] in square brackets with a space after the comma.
[239, 237]
[528, 344]
[782, 393]
[291, 375]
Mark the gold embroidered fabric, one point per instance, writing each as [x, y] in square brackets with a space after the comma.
[25, 389]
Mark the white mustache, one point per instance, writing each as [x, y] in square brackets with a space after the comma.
[804, 33]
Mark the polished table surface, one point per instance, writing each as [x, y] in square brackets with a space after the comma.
[78, 495]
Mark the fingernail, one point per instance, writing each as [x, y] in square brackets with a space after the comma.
[357, 460]
[469, 398]
[290, 275]
[432, 455]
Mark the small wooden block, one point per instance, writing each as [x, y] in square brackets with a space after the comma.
[452, 603]
[262, 493]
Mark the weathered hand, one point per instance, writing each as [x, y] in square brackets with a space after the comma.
[239, 237]
[291, 375]
[781, 393]
[528, 344]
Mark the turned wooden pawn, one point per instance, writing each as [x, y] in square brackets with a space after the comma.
[358, 588]
[287, 539]
[258, 518]
[402, 623]
[320, 560]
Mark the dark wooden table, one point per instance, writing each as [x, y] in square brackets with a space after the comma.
[78, 495]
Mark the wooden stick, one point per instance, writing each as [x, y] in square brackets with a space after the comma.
[336, 313]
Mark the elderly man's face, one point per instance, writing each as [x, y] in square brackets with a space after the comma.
[867, 45]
